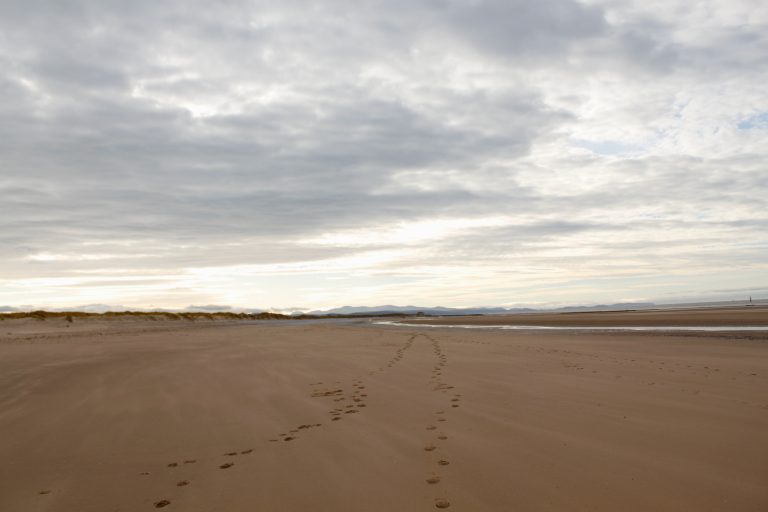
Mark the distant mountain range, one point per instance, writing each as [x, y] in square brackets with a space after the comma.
[387, 309]
[439, 310]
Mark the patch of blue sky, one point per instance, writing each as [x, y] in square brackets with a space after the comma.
[756, 121]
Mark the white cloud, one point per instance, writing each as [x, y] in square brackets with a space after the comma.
[484, 152]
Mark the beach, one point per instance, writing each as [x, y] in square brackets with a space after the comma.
[354, 415]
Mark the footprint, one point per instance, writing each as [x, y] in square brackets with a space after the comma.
[246, 452]
[145, 473]
[431, 427]
[173, 464]
[182, 483]
[227, 465]
[429, 447]
[433, 479]
[190, 461]
[162, 503]
[443, 462]
[289, 438]
[44, 492]
[231, 454]
[442, 503]
[442, 437]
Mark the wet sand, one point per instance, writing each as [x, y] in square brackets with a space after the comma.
[732, 316]
[346, 416]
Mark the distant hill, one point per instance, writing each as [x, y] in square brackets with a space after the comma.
[411, 310]
[443, 311]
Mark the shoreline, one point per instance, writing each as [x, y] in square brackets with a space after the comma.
[746, 316]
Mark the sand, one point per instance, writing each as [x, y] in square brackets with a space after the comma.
[732, 316]
[242, 418]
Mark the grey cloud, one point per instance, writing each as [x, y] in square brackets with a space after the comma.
[522, 28]
[316, 114]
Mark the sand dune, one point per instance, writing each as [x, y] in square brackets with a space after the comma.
[350, 416]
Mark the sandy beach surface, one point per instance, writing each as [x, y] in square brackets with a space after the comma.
[352, 416]
[714, 317]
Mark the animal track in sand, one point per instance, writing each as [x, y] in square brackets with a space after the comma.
[433, 479]
[190, 461]
[246, 452]
[162, 503]
[429, 447]
[45, 492]
[442, 503]
[431, 427]
[183, 483]
[230, 454]
[442, 437]
[173, 464]
[443, 462]
[227, 465]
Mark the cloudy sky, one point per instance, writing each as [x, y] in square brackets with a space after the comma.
[270, 154]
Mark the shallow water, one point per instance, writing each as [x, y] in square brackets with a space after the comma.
[718, 328]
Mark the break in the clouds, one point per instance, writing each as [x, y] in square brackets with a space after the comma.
[465, 152]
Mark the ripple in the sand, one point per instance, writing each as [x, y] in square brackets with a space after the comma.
[162, 503]
[441, 503]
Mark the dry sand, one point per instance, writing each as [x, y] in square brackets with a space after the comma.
[98, 418]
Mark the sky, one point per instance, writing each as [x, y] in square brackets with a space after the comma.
[308, 154]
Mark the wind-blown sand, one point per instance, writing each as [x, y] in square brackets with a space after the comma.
[97, 418]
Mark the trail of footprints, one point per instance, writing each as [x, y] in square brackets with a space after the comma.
[342, 407]
[435, 445]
